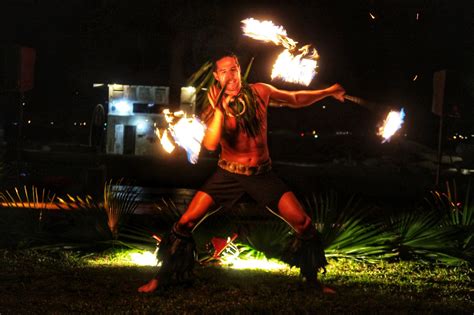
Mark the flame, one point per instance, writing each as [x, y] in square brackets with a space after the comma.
[165, 140]
[292, 65]
[391, 124]
[268, 32]
[294, 69]
[187, 132]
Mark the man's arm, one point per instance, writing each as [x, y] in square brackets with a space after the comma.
[298, 99]
[214, 130]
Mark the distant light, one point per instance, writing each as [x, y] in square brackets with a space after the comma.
[141, 126]
[314, 132]
[372, 16]
[316, 136]
[415, 77]
[454, 137]
[84, 123]
[29, 121]
[190, 89]
[24, 104]
[97, 84]
[417, 16]
[75, 124]
[121, 107]
[52, 123]
[302, 134]
[117, 87]
[324, 106]
[105, 124]
[461, 137]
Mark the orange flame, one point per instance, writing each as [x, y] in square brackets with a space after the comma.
[186, 132]
[292, 65]
[294, 69]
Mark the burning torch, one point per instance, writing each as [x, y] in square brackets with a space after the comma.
[298, 65]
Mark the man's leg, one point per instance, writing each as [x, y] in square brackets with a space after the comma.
[198, 207]
[293, 213]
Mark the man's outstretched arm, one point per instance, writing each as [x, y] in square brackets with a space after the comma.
[297, 99]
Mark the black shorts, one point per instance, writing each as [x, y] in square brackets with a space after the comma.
[227, 188]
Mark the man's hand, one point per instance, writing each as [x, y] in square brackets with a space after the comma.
[337, 91]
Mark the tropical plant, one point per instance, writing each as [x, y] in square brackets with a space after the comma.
[420, 235]
[458, 217]
[24, 226]
[347, 231]
[23, 198]
[120, 201]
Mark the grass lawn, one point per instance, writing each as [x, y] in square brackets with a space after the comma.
[60, 282]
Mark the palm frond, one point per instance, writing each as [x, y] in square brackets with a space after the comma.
[421, 235]
[120, 201]
[346, 230]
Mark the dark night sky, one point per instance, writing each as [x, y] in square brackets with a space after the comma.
[163, 42]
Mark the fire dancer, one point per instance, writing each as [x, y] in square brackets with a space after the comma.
[236, 120]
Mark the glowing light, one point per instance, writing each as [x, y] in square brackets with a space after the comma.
[97, 84]
[29, 121]
[392, 124]
[292, 65]
[415, 77]
[294, 69]
[189, 89]
[372, 16]
[52, 122]
[122, 108]
[254, 263]
[143, 259]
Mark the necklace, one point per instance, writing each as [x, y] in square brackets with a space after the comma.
[232, 103]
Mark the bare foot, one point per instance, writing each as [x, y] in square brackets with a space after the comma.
[149, 287]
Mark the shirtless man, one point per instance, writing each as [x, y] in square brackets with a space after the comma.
[237, 121]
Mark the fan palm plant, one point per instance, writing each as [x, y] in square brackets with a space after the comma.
[119, 204]
[457, 216]
[420, 234]
[347, 231]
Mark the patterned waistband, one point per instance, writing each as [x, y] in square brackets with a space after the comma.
[243, 169]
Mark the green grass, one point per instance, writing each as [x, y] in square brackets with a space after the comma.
[63, 282]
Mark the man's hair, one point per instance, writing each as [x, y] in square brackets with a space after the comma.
[222, 54]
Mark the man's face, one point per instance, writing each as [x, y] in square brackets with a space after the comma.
[228, 70]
